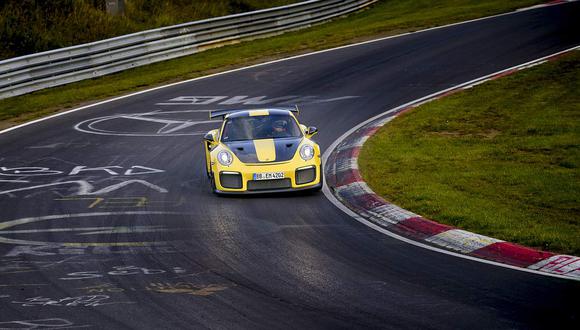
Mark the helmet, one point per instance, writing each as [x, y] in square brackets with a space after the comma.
[281, 124]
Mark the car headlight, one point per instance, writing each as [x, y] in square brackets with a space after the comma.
[306, 152]
[225, 158]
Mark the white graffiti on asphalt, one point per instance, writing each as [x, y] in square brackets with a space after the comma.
[7, 227]
[27, 171]
[78, 187]
[167, 123]
[80, 301]
[44, 171]
[252, 100]
[52, 323]
[57, 250]
[119, 271]
[185, 122]
[84, 188]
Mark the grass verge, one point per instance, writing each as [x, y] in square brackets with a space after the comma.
[384, 18]
[33, 26]
[500, 159]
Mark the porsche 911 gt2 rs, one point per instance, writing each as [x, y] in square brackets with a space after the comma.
[263, 150]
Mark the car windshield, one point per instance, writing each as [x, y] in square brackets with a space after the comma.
[260, 127]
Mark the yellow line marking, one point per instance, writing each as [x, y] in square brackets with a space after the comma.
[97, 200]
[186, 288]
[119, 202]
[125, 201]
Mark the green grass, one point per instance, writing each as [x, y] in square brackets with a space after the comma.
[500, 159]
[33, 26]
[384, 18]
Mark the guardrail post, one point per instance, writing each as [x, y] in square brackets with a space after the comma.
[115, 7]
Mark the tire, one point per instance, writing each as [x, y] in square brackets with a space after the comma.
[319, 188]
[212, 186]
[321, 178]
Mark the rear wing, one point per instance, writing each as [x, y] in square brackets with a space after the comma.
[223, 113]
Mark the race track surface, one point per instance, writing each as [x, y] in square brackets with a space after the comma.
[107, 220]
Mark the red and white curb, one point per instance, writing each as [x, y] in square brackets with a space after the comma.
[346, 188]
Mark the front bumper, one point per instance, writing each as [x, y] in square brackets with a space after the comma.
[240, 180]
[317, 186]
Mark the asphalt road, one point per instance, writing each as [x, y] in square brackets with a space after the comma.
[107, 219]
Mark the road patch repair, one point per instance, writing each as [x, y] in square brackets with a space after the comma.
[346, 188]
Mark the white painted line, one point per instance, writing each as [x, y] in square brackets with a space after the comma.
[330, 196]
[265, 63]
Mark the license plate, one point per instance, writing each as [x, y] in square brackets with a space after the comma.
[269, 176]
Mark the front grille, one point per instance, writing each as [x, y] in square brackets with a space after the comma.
[305, 175]
[231, 180]
[269, 184]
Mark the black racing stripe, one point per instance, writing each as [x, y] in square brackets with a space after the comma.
[244, 150]
[286, 148]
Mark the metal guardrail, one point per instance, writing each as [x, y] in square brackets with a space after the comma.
[38, 71]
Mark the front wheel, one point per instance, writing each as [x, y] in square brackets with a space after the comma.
[211, 179]
[321, 178]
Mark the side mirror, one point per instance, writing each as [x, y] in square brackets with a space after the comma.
[212, 136]
[209, 137]
[311, 131]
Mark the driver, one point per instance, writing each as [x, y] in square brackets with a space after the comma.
[279, 128]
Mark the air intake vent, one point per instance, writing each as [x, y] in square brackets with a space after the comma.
[231, 180]
[305, 175]
[269, 184]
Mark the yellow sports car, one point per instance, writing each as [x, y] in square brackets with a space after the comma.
[259, 151]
